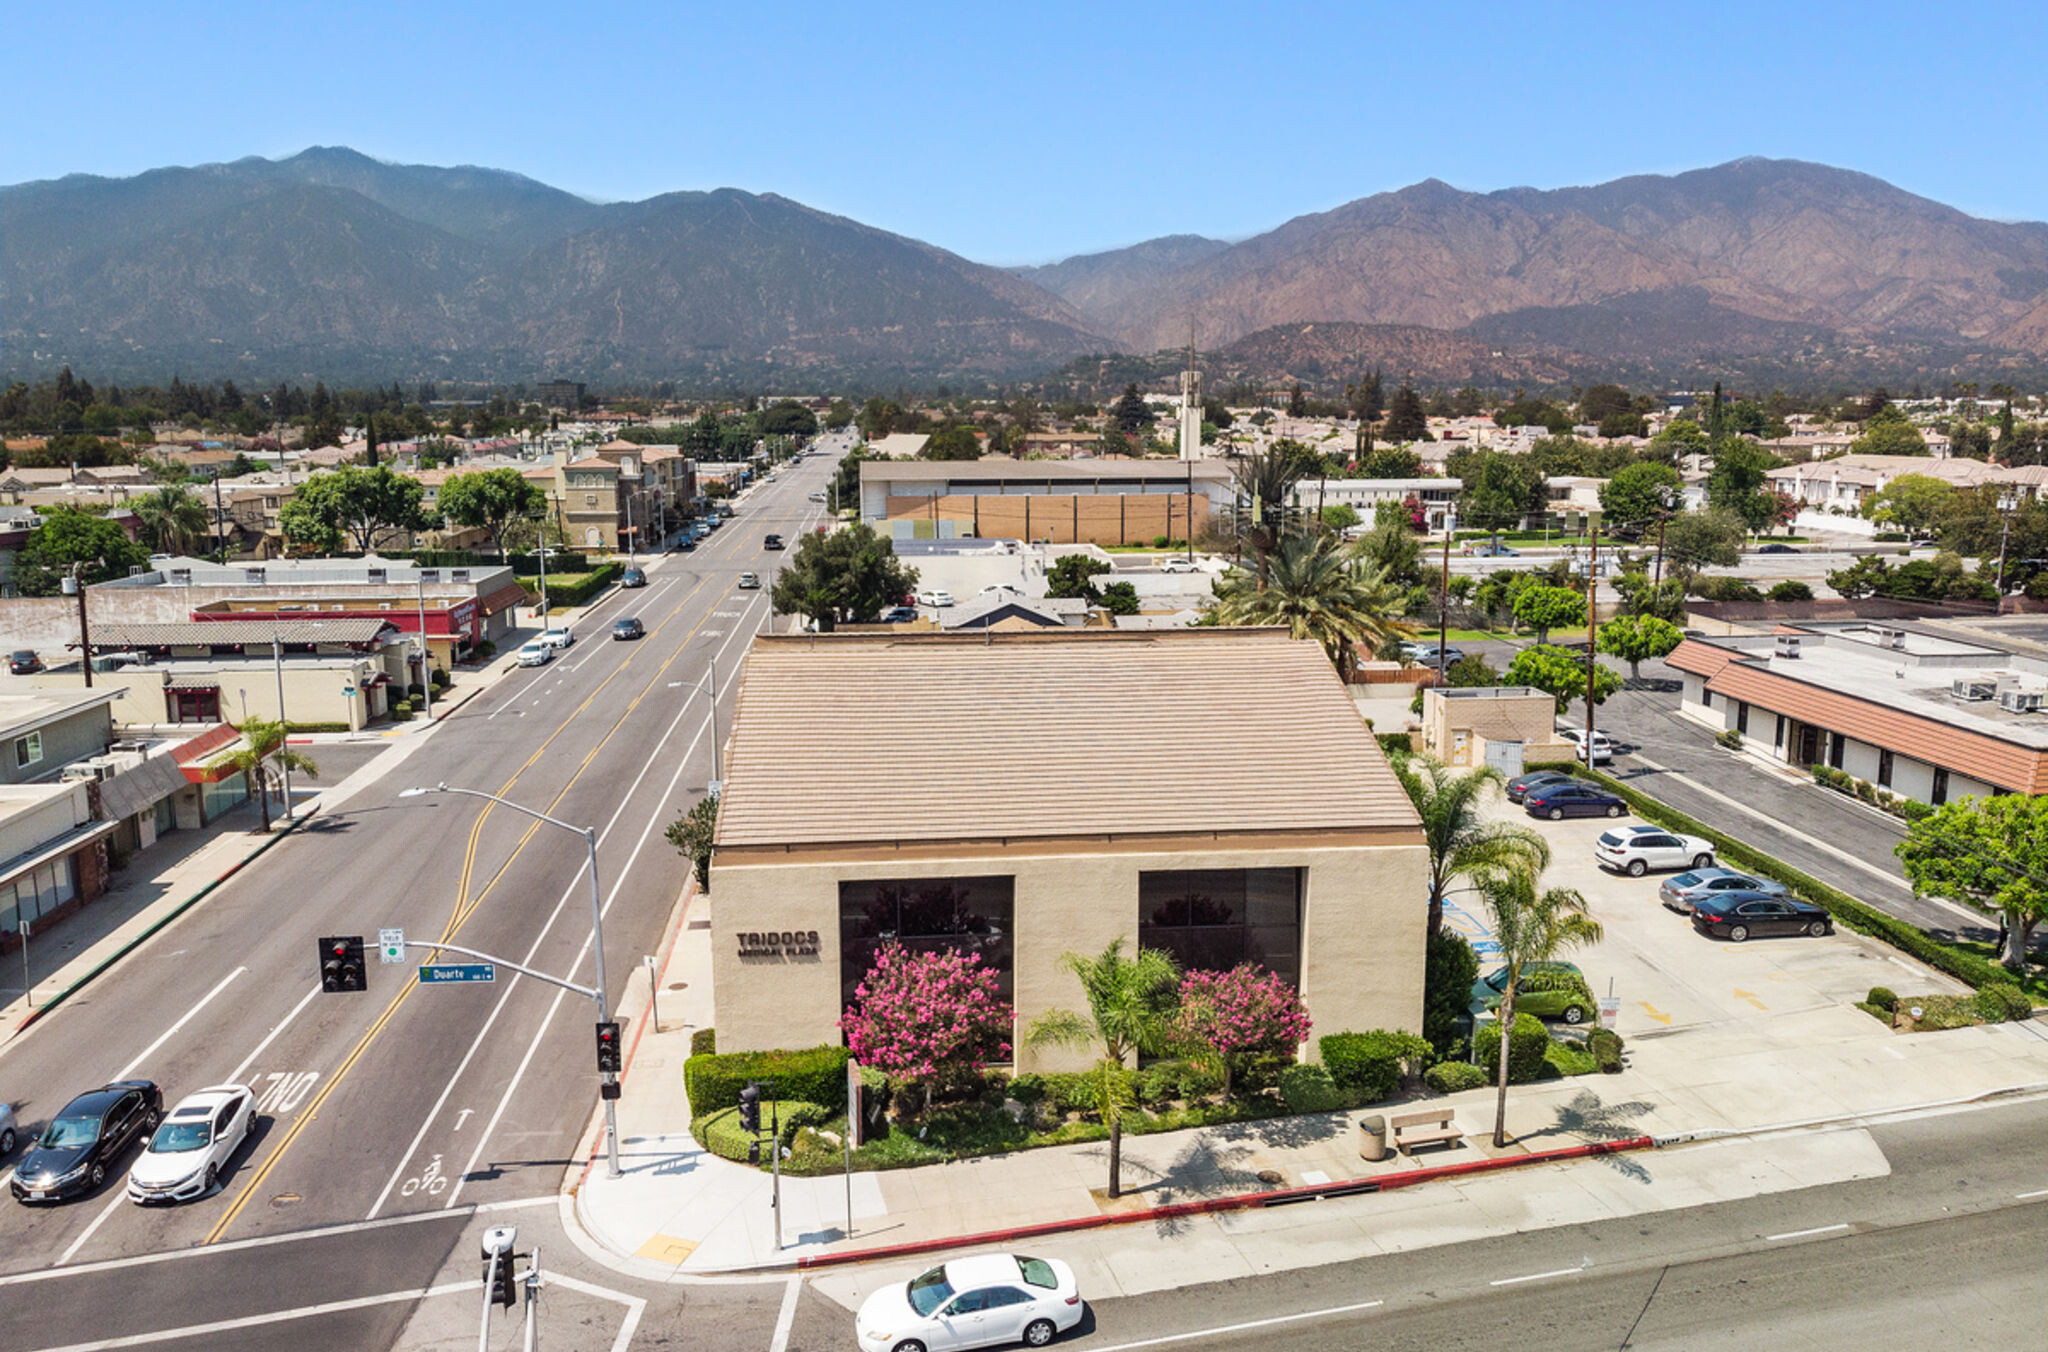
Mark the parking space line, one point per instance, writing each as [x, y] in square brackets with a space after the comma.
[1536, 1276]
[1222, 1329]
[2028, 1196]
[1803, 1234]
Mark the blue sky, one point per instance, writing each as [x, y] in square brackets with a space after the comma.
[1023, 133]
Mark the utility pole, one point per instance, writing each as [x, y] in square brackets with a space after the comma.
[283, 724]
[2006, 504]
[74, 582]
[1592, 632]
[1443, 607]
[220, 523]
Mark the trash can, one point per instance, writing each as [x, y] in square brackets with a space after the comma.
[1372, 1137]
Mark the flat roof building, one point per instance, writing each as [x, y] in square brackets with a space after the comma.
[1025, 794]
[1105, 502]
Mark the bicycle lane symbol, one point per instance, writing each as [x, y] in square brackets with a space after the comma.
[429, 1182]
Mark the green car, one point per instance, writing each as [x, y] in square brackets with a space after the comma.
[1549, 990]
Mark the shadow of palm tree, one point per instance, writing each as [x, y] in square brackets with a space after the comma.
[1283, 1133]
[1591, 1118]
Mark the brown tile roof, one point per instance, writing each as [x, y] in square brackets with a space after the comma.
[1048, 733]
[1700, 659]
[180, 633]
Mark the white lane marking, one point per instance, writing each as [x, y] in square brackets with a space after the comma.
[785, 1318]
[114, 1202]
[1536, 1276]
[266, 1241]
[634, 1306]
[151, 1049]
[1802, 1234]
[2025, 1196]
[235, 1075]
[1222, 1329]
[275, 1317]
[505, 997]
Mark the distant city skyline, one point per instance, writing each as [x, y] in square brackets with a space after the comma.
[1025, 138]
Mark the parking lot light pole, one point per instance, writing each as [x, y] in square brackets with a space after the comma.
[589, 834]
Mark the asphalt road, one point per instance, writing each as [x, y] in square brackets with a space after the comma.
[403, 1100]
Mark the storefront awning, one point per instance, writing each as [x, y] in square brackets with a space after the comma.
[76, 838]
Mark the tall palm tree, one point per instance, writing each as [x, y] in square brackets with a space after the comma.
[1461, 843]
[1321, 588]
[263, 748]
[172, 516]
[1130, 1013]
[1264, 481]
[1531, 927]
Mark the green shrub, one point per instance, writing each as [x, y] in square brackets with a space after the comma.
[722, 1134]
[1395, 741]
[318, 727]
[1605, 1044]
[1309, 1089]
[815, 1075]
[2003, 1004]
[1526, 1048]
[1449, 969]
[1028, 1088]
[416, 692]
[401, 711]
[704, 1042]
[1452, 1077]
[441, 679]
[1371, 1064]
[1164, 1081]
[484, 651]
[1883, 998]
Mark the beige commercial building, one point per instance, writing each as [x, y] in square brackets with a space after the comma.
[1210, 792]
[1505, 726]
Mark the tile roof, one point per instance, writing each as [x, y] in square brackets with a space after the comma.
[1048, 733]
[179, 633]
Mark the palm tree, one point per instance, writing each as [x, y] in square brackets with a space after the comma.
[263, 746]
[1531, 927]
[1320, 587]
[1130, 1013]
[172, 516]
[1461, 843]
[1265, 480]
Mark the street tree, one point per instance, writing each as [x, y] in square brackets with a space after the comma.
[489, 500]
[1132, 1002]
[1991, 852]
[691, 835]
[928, 1020]
[1561, 674]
[70, 537]
[352, 506]
[261, 753]
[1640, 596]
[1531, 927]
[788, 418]
[1228, 1016]
[1696, 540]
[1737, 484]
[1500, 490]
[1636, 495]
[1464, 844]
[1320, 588]
[1546, 608]
[1915, 503]
[1636, 639]
[848, 576]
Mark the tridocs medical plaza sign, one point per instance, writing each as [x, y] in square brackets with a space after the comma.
[778, 943]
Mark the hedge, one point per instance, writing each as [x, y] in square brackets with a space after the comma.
[1846, 910]
[1525, 1049]
[559, 561]
[704, 1042]
[1371, 1063]
[1452, 1077]
[815, 1075]
[1309, 1089]
[722, 1134]
[583, 588]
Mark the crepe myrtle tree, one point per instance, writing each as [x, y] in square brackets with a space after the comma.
[928, 1019]
[1227, 1016]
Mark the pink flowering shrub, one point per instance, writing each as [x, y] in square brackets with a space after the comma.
[930, 1019]
[1240, 1012]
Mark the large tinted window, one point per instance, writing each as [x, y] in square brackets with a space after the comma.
[925, 915]
[1214, 919]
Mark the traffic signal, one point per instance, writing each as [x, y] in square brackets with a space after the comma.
[608, 1062]
[750, 1109]
[498, 1274]
[341, 963]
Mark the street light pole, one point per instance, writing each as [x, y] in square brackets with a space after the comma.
[717, 765]
[283, 724]
[607, 1081]
[426, 652]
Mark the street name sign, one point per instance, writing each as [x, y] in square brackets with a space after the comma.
[452, 973]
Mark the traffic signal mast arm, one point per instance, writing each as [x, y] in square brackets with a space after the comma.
[584, 991]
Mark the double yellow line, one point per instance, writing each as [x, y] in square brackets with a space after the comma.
[466, 907]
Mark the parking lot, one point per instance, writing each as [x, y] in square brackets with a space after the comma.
[1671, 979]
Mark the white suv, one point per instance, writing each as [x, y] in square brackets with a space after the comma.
[1635, 850]
[1603, 749]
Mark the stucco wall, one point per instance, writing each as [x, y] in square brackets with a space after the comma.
[1362, 933]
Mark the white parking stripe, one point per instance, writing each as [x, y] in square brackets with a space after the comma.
[259, 1320]
[1222, 1329]
[1536, 1276]
[1802, 1234]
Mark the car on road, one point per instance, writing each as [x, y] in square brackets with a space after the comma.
[564, 637]
[10, 1130]
[1603, 745]
[1635, 850]
[983, 1301]
[750, 582]
[1549, 990]
[24, 663]
[85, 1140]
[1776, 549]
[1558, 801]
[1180, 566]
[1492, 549]
[192, 1147]
[899, 614]
[627, 627]
[1738, 916]
[1425, 655]
[1521, 786]
[535, 653]
[1681, 890]
[632, 577]
[684, 545]
[814, 497]
[771, 542]
[937, 600]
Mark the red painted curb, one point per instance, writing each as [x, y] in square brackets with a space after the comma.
[1212, 1205]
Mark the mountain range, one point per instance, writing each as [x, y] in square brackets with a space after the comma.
[334, 264]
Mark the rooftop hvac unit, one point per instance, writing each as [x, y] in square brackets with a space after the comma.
[2020, 701]
[82, 771]
[430, 574]
[375, 575]
[181, 577]
[1974, 688]
[1788, 645]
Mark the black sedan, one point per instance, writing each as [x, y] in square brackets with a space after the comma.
[628, 628]
[1736, 916]
[1558, 801]
[1521, 786]
[632, 577]
[85, 1140]
[24, 663]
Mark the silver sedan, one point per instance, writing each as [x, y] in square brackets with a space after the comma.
[1682, 889]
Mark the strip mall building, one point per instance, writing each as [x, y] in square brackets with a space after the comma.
[1210, 792]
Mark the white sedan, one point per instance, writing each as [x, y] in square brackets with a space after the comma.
[973, 1302]
[193, 1145]
[1180, 566]
[536, 653]
[557, 638]
[1635, 850]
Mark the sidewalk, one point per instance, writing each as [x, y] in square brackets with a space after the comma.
[679, 1211]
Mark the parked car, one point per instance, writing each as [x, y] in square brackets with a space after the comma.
[1493, 549]
[1776, 549]
[628, 627]
[1539, 992]
[1558, 801]
[632, 577]
[9, 1130]
[982, 1301]
[558, 638]
[750, 581]
[1180, 565]
[1521, 786]
[193, 1147]
[684, 545]
[1425, 655]
[1736, 916]
[1635, 850]
[1603, 746]
[85, 1140]
[771, 542]
[937, 600]
[535, 653]
[24, 663]
[1681, 890]
[898, 614]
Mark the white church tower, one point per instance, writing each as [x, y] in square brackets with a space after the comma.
[1191, 407]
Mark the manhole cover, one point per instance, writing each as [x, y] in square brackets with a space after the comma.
[1271, 1177]
[286, 1199]
[678, 985]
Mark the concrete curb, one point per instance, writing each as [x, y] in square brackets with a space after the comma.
[101, 968]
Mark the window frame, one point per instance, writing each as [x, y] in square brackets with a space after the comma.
[28, 749]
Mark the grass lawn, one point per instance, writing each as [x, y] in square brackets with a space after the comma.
[1458, 635]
